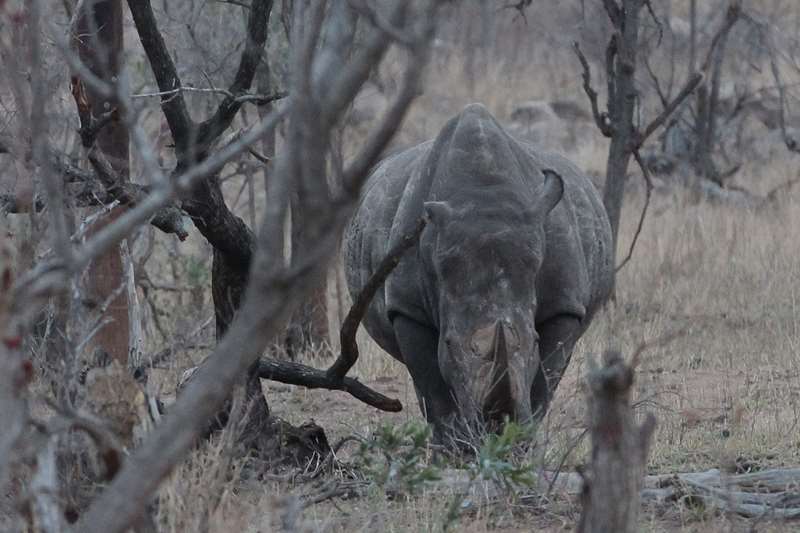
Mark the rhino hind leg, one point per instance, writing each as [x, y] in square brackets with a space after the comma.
[557, 338]
[418, 346]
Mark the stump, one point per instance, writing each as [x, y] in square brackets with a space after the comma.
[612, 484]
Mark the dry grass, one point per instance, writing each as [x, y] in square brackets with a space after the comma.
[724, 389]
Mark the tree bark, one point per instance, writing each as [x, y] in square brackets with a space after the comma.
[232, 240]
[621, 57]
[613, 483]
[308, 328]
[99, 44]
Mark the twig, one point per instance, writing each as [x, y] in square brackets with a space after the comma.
[601, 119]
[349, 354]
[790, 142]
[36, 284]
[656, 123]
[259, 99]
[657, 21]
[661, 340]
[648, 191]
[731, 16]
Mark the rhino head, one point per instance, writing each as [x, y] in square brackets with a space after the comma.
[484, 253]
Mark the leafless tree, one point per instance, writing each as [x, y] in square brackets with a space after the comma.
[618, 122]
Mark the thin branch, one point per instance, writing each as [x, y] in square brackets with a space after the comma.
[656, 82]
[349, 354]
[164, 70]
[656, 20]
[379, 138]
[257, 27]
[731, 16]
[298, 374]
[168, 219]
[656, 123]
[790, 142]
[35, 282]
[601, 119]
[612, 51]
[345, 87]
[259, 99]
[648, 191]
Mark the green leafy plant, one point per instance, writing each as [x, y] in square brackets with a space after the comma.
[495, 458]
[396, 458]
[495, 462]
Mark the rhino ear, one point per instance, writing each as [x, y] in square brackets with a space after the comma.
[438, 212]
[551, 192]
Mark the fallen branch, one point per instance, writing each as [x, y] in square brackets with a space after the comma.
[771, 493]
[349, 348]
[298, 374]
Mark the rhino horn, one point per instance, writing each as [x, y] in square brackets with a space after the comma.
[500, 348]
[499, 394]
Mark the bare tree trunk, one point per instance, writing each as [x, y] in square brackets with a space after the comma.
[622, 96]
[99, 42]
[707, 111]
[613, 483]
[100, 47]
[618, 123]
[308, 328]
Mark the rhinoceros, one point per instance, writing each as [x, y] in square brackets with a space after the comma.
[515, 260]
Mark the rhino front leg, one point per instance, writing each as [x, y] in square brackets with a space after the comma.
[557, 338]
[419, 345]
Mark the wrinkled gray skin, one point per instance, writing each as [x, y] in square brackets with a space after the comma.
[514, 262]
